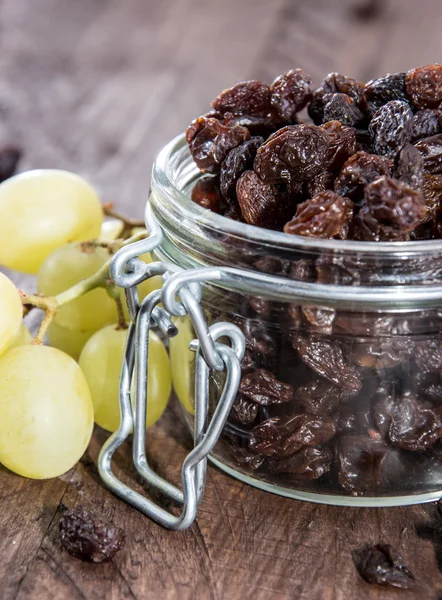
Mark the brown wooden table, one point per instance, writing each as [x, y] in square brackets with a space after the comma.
[98, 86]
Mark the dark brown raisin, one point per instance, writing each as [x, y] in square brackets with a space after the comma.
[328, 215]
[383, 354]
[327, 359]
[381, 564]
[432, 190]
[340, 107]
[360, 460]
[424, 86]
[245, 98]
[431, 150]
[264, 388]
[244, 411]
[262, 306]
[307, 464]
[261, 203]
[290, 93]
[409, 167]
[210, 141]
[389, 127]
[360, 169]
[341, 144]
[303, 270]
[238, 160]
[206, 193]
[392, 210]
[325, 180]
[9, 159]
[380, 91]
[428, 355]
[425, 123]
[334, 83]
[243, 457]
[294, 153]
[320, 318]
[257, 126]
[318, 397]
[86, 537]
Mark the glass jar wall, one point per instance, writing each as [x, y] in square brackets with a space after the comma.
[341, 392]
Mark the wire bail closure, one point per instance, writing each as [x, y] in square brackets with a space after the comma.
[128, 271]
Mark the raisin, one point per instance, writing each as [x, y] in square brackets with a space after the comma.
[206, 193]
[244, 457]
[432, 190]
[360, 169]
[210, 141]
[86, 537]
[238, 160]
[341, 144]
[383, 354]
[389, 127]
[425, 123]
[424, 86]
[393, 209]
[409, 167]
[320, 318]
[244, 411]
[257, 126]
[428, 355]
[334, 83]
[431, 150]
[261, 203]
[262, 306]
[259, 340]
[294, 153]
[9, 159]
[327, 359]
[264, 388]
[360, 463]
[328, 215]
[406, 422]
[272, 265]
[320, 183]
[303, 270]
[305, 465]
[245, 98]
[340, 107]
[380, 91]
[290, 93]
[318, 397]
[382, 565]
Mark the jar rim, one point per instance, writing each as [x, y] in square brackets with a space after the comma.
[163, 178]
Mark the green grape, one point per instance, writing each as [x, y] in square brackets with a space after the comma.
[65, 267]
[42, 210]
[101, 363]
[70, 341]
[111, 230]
[46, 412]
[182, 362]
[22, 338]
[11, 312]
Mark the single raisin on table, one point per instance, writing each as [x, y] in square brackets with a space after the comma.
[9, 158]
[245, 98]
[388, 128]
[358, 171]
[383, 565]
[328, 215]
[409, 167]
[263, 388]
[306, 464]
[431, 150]
[425, 123]
[88, 538]
[238, 160]
[384, 89]
[341, 144]
[290, 93]
[424, 86]
[294, 153]
[261, 203]
[206, 193]
[340, 107]
[210, 141]
[334, 83]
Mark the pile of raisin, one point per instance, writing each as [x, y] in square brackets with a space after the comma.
[368, 166]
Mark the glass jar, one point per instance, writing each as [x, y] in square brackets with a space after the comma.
[340, 400]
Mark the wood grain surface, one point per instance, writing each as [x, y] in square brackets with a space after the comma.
[98, 86]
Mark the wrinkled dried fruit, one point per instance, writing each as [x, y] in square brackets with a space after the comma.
[380, 91]
[424, 86]
[428, 355]
[294, 153]
[409, 167]
[206, 193]
[305, 465]
[244, 411]
[262, 306]
[318, 397]
[360, 169]
[86, 537]
[245, 98]
[360, 463]
[210, 141]
[431, 150]
[432, 190]
[425, 123]
[320, 318]
[334, 83]
[261, 203]
[328, 215]
[340, 107]
[383, 565]
[388, 128]
[9, 159]
[290, 93]
[341, 144]
[238, 160]
[319, 183]
[264, 388]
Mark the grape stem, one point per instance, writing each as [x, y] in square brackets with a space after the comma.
[128, 224]
[51, 304]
